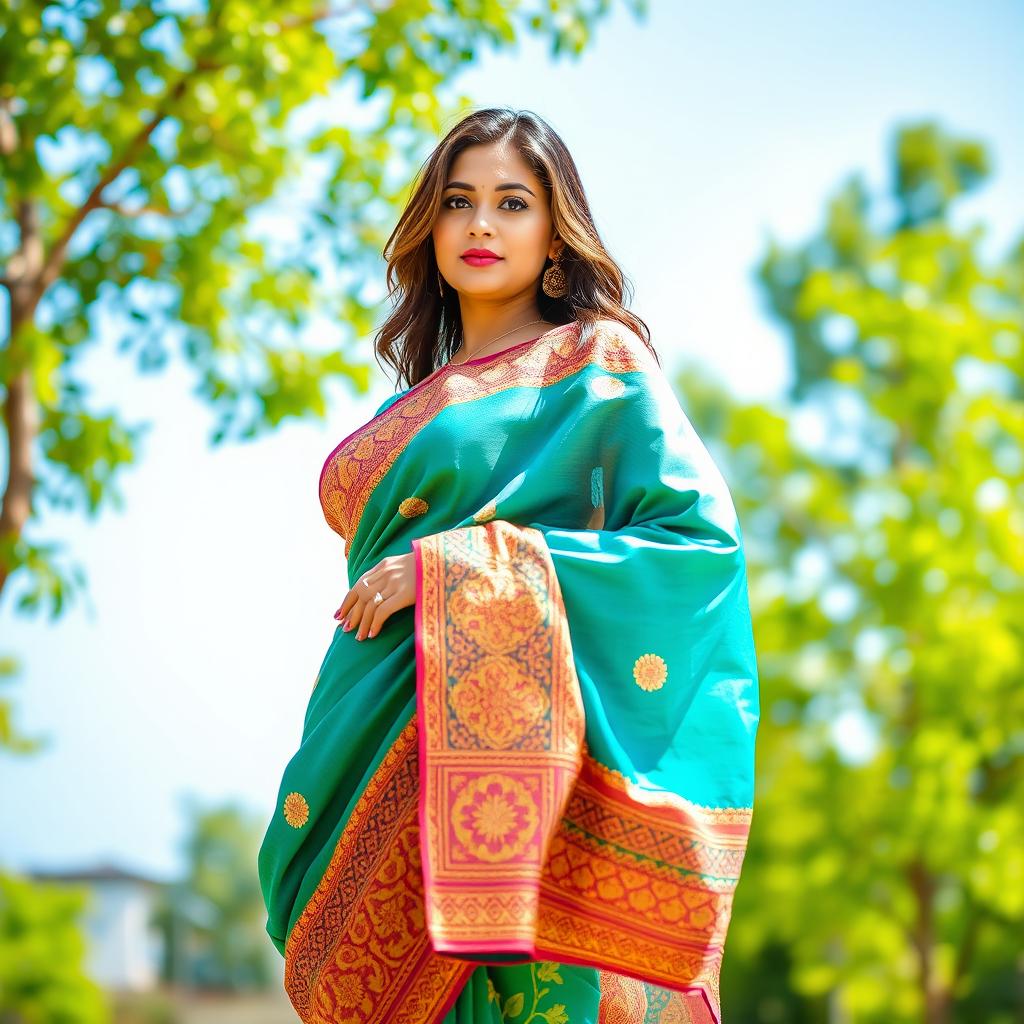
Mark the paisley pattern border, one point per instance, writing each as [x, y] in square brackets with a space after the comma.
[360, 953]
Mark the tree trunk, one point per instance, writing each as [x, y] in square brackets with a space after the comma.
[20, 410]
[22, 278]
[937, 998]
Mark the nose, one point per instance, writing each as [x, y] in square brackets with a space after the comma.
[479, 225]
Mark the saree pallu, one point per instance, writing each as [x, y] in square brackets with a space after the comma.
[527, 799]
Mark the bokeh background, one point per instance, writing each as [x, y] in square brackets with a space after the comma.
[821, 210]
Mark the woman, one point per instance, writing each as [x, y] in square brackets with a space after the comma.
[525, 779]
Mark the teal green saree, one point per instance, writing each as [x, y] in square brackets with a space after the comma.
[527, 799]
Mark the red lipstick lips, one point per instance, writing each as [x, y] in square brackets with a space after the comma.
[480, 257]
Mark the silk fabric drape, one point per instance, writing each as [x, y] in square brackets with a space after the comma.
[545, 767]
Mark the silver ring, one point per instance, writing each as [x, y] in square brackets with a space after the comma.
[365, 583]
[378, 597]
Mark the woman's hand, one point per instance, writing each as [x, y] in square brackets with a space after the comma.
[395, 578]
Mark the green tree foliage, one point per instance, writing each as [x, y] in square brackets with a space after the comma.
[881, 501]
[42, 979]
[11, 740]
[213, 177]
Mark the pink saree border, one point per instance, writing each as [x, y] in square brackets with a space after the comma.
[431, 377]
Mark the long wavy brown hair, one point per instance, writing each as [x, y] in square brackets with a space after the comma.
[425, 327]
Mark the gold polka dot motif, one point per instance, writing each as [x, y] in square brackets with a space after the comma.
[296, 810]
[650, 672]
[488, 512]
[412, 507]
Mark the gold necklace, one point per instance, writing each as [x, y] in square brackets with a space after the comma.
[490, 343]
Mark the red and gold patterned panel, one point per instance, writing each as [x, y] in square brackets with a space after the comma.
[503, 731]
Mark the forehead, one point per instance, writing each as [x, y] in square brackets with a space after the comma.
[490, 164]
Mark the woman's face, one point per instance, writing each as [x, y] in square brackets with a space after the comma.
[493, 201]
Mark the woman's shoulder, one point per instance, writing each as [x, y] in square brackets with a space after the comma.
[619, 344]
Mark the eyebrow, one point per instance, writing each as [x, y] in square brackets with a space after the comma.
[497, 188]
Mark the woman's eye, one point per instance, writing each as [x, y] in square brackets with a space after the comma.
[511, 199]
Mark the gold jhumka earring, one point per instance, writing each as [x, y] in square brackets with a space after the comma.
[554, 284]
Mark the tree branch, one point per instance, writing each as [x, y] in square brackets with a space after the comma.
[55, 258]
[301, 20]
[163, 211]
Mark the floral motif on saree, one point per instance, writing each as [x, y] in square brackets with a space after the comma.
[564, 775]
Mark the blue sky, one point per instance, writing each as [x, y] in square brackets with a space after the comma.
[699, 133]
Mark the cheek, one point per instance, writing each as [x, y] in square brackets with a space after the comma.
[531, 233]
[442, 233]
[529, 242]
